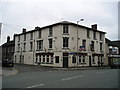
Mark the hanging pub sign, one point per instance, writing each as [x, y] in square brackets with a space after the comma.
[82, 48]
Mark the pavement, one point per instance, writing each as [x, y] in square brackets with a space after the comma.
[20, 68]
[8, 71]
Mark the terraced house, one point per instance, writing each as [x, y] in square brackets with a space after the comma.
[63, 44]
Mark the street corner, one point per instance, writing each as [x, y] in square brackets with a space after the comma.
[9, 71]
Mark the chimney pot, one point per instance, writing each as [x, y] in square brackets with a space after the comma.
[8, 38]
[37, 27]
[24, 30]
[94, 26]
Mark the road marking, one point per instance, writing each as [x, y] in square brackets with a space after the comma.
[72, 77]
[35, 86]
[101, 72]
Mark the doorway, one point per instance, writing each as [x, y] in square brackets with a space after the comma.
[90, 61]
[65, 60]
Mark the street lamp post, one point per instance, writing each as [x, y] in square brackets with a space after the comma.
[77, 40]
[77, 43]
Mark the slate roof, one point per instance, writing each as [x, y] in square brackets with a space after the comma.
[10, 43]
[113, 43]
[60, 23]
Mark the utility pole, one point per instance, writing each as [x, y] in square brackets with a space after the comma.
[77, 40]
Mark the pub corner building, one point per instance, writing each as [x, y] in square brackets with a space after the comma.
[63, 44]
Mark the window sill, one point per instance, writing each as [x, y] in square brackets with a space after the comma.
[65, 48]
[40, 50]
[65, 34]
[50, 35]
[83, 63]
[50, 49]
[30, 50]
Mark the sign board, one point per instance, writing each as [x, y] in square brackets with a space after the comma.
[71, 53]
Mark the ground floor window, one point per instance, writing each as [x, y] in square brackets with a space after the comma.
[93, 59]
[83, 59]
[79, 59]
[74, 59]
[57, 59]
[44, 59]
[47, 58]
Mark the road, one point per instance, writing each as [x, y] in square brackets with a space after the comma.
[102, 78]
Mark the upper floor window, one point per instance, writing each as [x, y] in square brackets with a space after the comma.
[31, 35]
[31, 45]
[88, 33]
[100, 36]
[39, 33]
[24, 37]
[94, 35]
[50, 31]
[101, 45]
[24, 46]
[84, 43]
[65, 29]
[40, 45]
[65, 42]
[18, 47]
[92, 46]
[50, 43]
[18, 38]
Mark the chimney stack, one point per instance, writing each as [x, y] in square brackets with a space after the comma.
[8, 38]
[37, 27]
[94, 26]
[24, 30]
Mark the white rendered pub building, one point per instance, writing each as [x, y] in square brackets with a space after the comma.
[56, 45]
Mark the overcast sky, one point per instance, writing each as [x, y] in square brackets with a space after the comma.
[18, 14]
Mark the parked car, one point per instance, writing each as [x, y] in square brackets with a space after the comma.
[115, 63]
[7, 63]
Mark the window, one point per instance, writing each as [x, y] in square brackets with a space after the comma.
[94, 35]
[43, 58]
[18, 47]
[18, 38]
[24, 46]
[15, 58]
[39, 58]
[31, 45]
[36, 60]
[50, 31]
[39, 33]
[24, 37]
[47, 58]
[65, 42]
[98, 58]
[50, 43]
[83, 59]
[65, 29]
[74, 59]
[40, 45]
[51, 59]
[92, 46]
[57, 59]
[31, 35]
[84, 43]
[100, 36]
[93, 59]
[101, 46]
[88, 33]
[79, 59]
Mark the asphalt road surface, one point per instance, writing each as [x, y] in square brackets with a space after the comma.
[103, 78]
